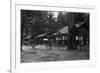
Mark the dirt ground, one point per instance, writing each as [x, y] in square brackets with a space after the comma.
[41, 55]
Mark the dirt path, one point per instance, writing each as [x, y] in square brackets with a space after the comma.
[53, 55]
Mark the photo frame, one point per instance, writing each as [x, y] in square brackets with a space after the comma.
[18, 66]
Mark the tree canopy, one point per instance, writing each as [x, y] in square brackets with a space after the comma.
[37, 22]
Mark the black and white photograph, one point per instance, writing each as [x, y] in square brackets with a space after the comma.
[54, 36]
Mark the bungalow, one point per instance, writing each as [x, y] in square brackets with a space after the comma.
[82, 34]
[58, 38]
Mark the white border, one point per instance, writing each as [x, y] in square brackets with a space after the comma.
[15, 64]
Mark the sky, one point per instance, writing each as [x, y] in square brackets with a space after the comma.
[55, 14]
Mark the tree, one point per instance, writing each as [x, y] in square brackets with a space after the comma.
[31, 22]
[62, 19]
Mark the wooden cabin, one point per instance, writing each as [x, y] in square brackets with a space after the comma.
[59, 38]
